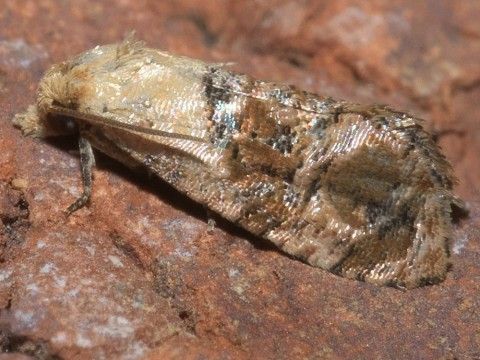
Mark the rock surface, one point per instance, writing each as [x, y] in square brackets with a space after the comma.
[137, 274]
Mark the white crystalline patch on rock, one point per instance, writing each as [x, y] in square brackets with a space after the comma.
[47, 268]
[90, 249]
[183, 253]
[115, 261]
[41, 244]
[17, 53]
[25, 318]
[33, 288]
[135, 350]
[117, 326]
[355, 27]
[83, 342]
[182, 233]
[59, 337]
[233, 273]
[5, 274]
[60, 281]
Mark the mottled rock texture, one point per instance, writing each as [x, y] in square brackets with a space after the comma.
[137, 274]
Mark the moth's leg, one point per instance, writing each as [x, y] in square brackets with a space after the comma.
[29, 122]
[460, 209]
[87, 161]
[210, 221]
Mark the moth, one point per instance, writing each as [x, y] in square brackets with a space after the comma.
[361, 191]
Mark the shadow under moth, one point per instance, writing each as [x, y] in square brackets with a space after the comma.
[361, 191]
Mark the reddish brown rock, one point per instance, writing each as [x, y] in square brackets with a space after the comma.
[137, 274]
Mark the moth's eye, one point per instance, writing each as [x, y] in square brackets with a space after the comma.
[59, 124]
[70, 124]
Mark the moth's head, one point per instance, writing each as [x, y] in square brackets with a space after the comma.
[62, 87]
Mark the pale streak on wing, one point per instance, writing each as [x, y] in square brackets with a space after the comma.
[206, 153]
[107, 122]
[195, 147]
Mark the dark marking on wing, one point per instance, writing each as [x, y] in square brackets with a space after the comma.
[221, 112]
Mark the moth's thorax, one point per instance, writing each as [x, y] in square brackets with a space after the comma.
[151, 89]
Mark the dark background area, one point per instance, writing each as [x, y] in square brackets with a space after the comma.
[137, 275]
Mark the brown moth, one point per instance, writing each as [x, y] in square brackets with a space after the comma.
[361, 191]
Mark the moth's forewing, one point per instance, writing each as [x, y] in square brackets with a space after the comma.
[360, 191]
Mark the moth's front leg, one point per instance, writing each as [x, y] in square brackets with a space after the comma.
[30, 122]
[87, 161]
[210, 221]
